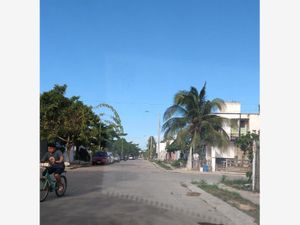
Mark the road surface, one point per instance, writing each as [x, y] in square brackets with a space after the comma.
[136, 192]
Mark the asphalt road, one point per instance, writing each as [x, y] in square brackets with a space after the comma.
[132, 193]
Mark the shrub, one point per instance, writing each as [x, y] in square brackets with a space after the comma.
[249, 176]
[178, 163]
[175, 163]
[223, 178]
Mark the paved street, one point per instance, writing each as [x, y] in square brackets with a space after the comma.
[136, 192]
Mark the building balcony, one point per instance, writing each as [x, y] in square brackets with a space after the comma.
[234, 134]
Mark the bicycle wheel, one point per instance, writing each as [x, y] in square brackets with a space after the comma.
[44, 189]
[63, 180]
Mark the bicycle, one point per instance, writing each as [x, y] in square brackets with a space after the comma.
[48, 184]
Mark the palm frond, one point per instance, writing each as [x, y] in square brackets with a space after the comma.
[173, 125]
[202, 95]
[173, 110]
[214, 137]
[217, 104]
[194, 91]
[179, 97]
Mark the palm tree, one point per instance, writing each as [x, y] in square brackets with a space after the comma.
[151, 145]
[191, 117]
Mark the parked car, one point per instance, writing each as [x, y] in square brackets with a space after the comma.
[110, 157]
[123, 157]
[131, 157]
[100, 158]
[117, 158]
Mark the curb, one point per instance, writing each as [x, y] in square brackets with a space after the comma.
[207, 173]
[77, 166]
[157, 166]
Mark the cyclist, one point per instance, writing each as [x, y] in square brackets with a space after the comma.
[56, 161]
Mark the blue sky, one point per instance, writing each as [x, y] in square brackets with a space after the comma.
[136, 54]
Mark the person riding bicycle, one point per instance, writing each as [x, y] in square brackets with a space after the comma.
[56, 161]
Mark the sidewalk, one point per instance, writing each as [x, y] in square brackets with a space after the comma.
[251, 196]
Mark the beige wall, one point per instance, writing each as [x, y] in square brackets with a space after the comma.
[254, 123]
[232, 107]
[228, 152]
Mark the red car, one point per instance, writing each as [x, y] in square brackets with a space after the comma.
[100, 158]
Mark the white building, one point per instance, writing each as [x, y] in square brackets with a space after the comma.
[244, 122]
[164, 155]
[161, 155]
[240, 123]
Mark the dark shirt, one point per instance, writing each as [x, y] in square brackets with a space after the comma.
[57, 154]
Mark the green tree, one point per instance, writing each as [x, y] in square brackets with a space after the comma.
[53, 106]
[123, 147]
[180, 143]
[245, 143]
[66, 120]
[191, 118]
[151, 146]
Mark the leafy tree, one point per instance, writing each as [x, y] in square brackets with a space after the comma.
[245, 143]
[53, 106]
[123, 147]
[70, 122]
[190, 118]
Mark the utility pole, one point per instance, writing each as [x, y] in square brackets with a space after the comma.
[158, 138]
[100, 137]
[122, 149]
[151, 147]
[253, 165]
[240, 126]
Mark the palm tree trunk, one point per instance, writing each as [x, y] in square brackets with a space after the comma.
[189, 164]
[69, 152]
[69, 146]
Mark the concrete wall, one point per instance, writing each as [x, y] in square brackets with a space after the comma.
[254, 123]
[72, 153]
[161, 155]
[228, 152]
[232, 107]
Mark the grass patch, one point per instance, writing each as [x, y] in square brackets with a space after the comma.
[162, 164]
[232, 198]
[178, 163]
[241, 184]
